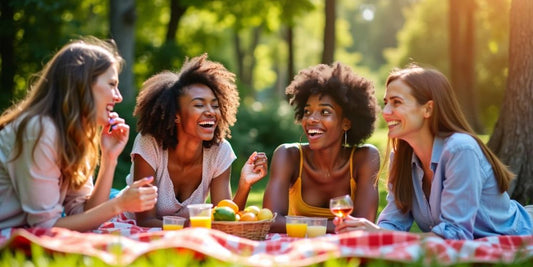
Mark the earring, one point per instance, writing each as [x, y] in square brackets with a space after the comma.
[346, 140]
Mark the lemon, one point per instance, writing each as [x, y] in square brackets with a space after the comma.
[265, 214]
[253, 209]
[224, 214]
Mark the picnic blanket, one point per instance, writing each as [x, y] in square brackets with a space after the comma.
[134, 241]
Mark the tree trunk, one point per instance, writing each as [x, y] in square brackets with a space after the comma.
[512, 139]
[239, 54]
[245, 59]
[176, 13]
[122, 17]
[462, 33]
[290, 44]
[329, 33]
[7, 53]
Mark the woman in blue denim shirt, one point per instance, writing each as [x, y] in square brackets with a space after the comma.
[441, 176]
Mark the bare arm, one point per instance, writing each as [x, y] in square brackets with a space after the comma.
[253, 170]
[276, 197]
[142, 169]
[136, 198]
[220, 187]
[111, 144]
[366, 195]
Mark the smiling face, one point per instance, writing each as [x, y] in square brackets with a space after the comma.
[322, 122]
[405, 117]
[106, 94]
[199, 114]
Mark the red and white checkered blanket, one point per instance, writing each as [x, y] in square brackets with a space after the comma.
[280, 250]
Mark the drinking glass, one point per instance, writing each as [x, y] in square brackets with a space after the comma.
[296, 226]
[316, 226]
[200, 215]
[173, 223]
[341, 206]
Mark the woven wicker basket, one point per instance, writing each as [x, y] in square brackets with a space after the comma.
[256, 230]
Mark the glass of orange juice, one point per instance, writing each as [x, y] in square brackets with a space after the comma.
[173, 223]
[296, 226]
[200, 215]
[316, 226]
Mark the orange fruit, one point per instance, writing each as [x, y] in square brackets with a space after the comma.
[229, 203]
[248, 217]
[253, 209]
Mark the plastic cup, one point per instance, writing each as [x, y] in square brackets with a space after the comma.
[316, 226]
[200, 215]
[296, 226]
[173, 223]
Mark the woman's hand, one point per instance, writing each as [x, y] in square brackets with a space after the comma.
[254, 169]
[140, 196]
[114, 137]
[351, 223]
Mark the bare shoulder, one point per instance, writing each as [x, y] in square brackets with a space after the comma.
[367, 154]
[367, 150]
[288, 150]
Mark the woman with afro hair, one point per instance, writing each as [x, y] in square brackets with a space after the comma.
[337, 111]
[183, 119]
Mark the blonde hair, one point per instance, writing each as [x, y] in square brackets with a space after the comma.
[62, 92]
[447, 118]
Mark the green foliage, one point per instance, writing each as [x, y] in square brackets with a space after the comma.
[373, 34]
[262, 127]
[425, 36]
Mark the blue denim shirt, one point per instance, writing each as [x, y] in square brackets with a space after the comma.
[464, 203]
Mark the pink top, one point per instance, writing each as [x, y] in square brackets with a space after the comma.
[216, 160]
[31, 189]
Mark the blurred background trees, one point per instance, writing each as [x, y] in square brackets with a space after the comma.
[265, 43]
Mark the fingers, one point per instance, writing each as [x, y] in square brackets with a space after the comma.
[251, 158]
[141, 195]
[260, 162]
[116, 124]
[144, 181]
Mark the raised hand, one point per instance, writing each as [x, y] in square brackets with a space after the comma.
[139, 196]
[254, 169]
[114, 137]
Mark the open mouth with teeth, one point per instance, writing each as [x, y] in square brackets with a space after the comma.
[207, 124]
[314, 132]
[393, 123]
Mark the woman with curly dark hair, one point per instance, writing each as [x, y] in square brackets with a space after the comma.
[183, 120]
[337, 110]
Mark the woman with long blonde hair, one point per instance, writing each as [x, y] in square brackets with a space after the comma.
[50, 144]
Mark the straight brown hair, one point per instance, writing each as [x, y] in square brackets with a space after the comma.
[447, 118]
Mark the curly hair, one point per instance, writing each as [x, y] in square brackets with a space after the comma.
[352, 92]
[158, 101]
[62, 92]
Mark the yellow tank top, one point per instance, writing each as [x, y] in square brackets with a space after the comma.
[297, 206]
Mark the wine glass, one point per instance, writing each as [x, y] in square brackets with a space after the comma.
[341, 206]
